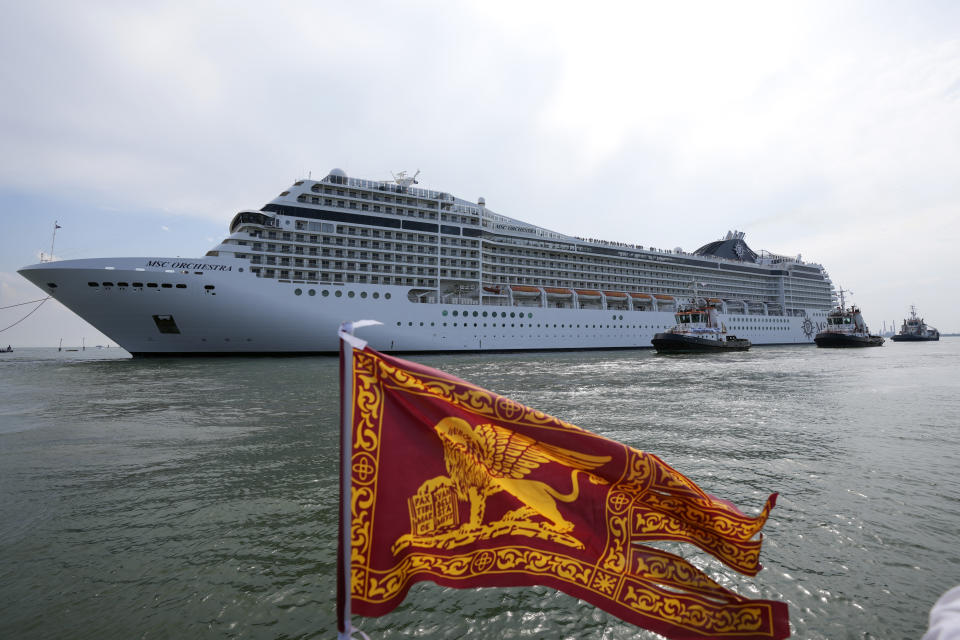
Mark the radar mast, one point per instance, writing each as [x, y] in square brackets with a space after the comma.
[402, 179]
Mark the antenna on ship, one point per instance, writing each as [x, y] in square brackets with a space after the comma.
[696, 293]
[842, 291]
[402, 179]
[52, 241]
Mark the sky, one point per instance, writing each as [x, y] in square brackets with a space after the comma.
[826, 129]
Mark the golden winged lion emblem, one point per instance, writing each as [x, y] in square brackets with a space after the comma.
[483, 460]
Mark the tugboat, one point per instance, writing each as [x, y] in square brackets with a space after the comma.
[914, 329]
[846, 328]
[9, 349]
[698, 329]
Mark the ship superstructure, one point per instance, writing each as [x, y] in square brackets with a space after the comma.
[442, 273]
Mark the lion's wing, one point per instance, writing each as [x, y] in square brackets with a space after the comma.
[513, 455]
[508, 454]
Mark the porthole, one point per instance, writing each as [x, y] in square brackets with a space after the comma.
[386, 296]
[350, 294]
[325, 293]
[298, 292]
[179, 286]
[312, 292]
[93, 284]
[421, 324]
[138, 284]
[475, 314]
[363, 294]
[455, 313]
[512, 314]
[338, 293]
[444, 312]
[376, 295]
[152, 285]
[529, 315]
[484, 313]
[119, 284]
[165, 285]
[398, 324]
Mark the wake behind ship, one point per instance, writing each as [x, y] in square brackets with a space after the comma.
[441, 273]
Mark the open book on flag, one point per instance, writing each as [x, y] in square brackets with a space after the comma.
[454, 484]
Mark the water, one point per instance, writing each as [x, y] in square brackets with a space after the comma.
[197, 498]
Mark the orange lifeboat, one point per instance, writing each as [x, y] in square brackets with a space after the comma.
[662, 296]
[587, 293]
[557, 291]
[615, 294]
[524, 289]
[640, 296]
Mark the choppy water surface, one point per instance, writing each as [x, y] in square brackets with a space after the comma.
[197, 498]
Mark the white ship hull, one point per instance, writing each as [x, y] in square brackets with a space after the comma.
[217, 309]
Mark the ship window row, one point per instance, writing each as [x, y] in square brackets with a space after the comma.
[269, 247]
[284, 275]
[357, 200]
[364, 267]
[538, 326]
[407, 254]
[338, 293]
[140, 285]
[362, 206]
[327, 237]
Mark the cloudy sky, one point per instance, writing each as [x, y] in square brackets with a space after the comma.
[828, 129]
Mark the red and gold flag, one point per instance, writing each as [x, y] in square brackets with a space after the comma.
[457, 485]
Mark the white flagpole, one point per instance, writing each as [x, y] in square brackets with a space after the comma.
[348, 342]
[346, 447]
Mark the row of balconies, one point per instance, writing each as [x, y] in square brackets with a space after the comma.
[358, 200]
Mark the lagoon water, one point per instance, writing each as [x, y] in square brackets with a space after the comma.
[197, 498]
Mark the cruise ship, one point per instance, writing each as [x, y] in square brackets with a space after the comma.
[441, 273]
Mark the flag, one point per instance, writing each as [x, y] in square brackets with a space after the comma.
[452, 483]
[57, 226]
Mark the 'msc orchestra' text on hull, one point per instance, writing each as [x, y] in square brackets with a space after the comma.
[441, 273]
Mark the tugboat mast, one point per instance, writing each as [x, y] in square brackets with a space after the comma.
[842, 291]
